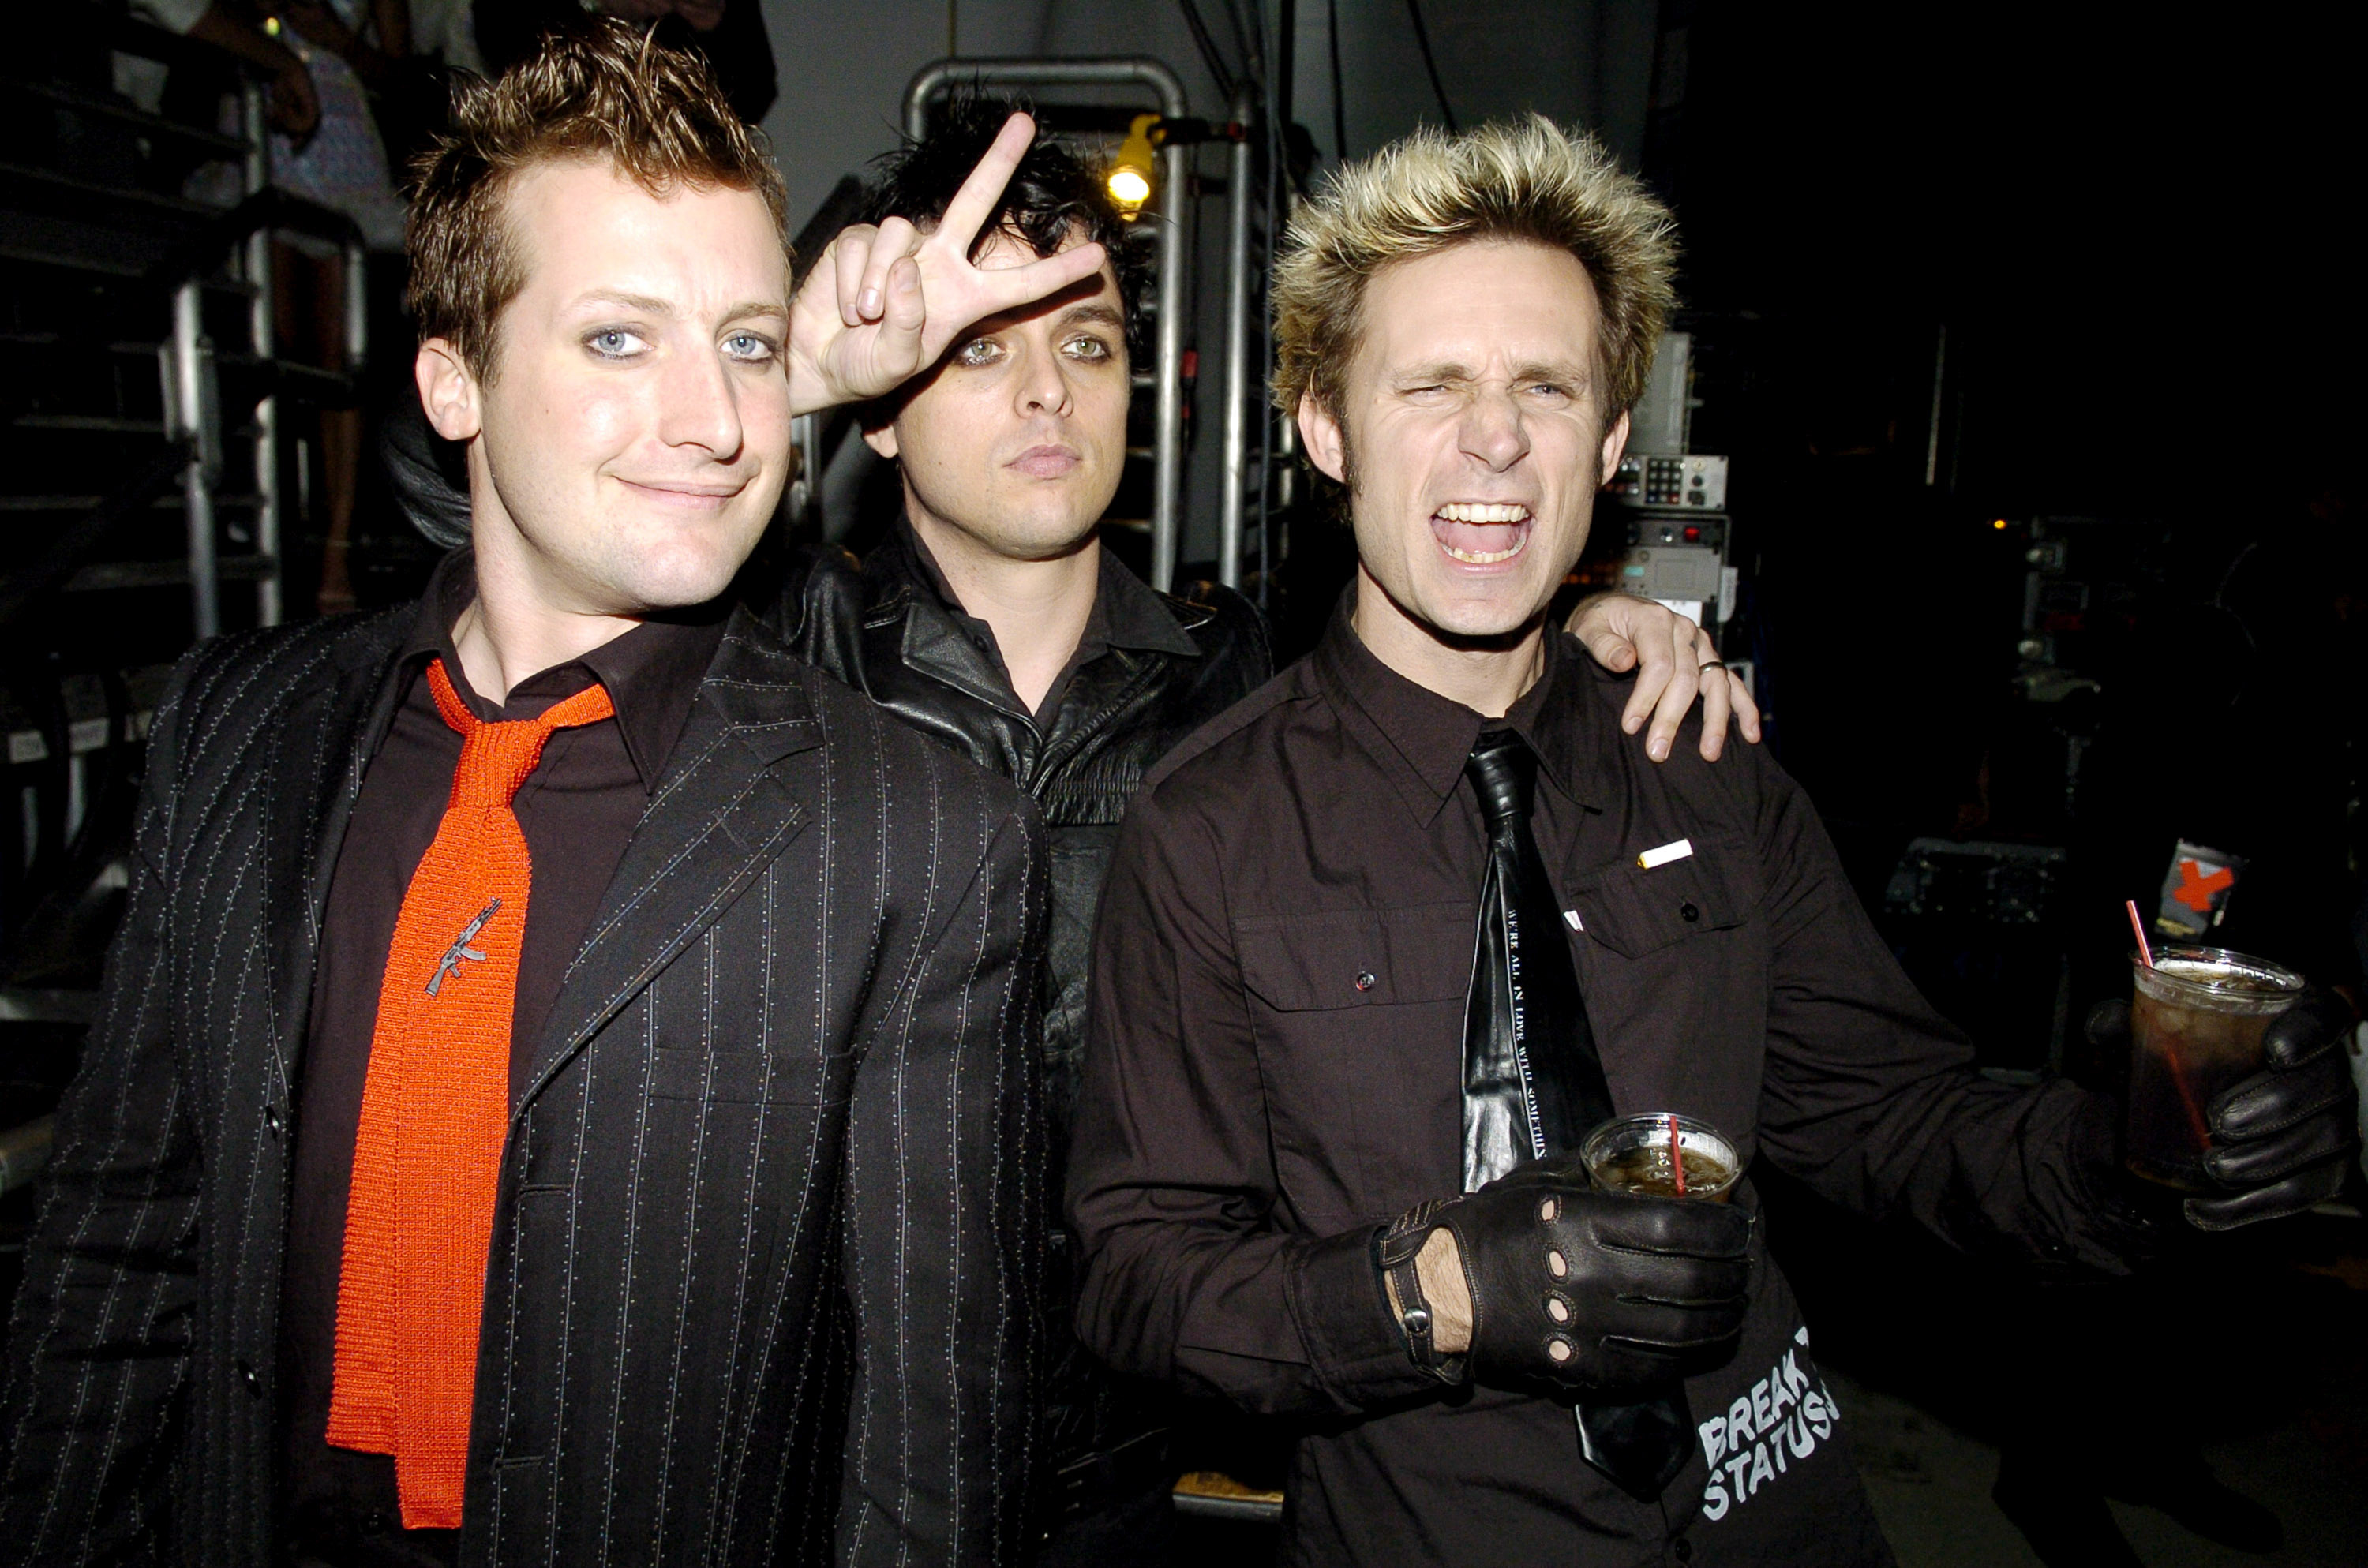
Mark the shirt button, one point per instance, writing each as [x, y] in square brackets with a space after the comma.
[1684, 1549]
[1690, 913]
[271, 1119]
[246, 1375]
[1364, 980]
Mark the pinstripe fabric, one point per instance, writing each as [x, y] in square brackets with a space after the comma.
[768, 1222]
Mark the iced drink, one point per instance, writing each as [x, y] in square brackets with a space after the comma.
[1636, 1155]
[2196, 1023]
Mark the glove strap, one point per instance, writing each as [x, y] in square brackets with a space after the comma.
[1396, 1247]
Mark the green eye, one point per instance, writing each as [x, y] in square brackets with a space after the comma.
[977, 351]
[1088, 347]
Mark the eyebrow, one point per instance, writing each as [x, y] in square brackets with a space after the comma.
[1106, 314]
[649, 304]
[1423, 375]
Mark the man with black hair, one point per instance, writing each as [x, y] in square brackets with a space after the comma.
[991, 617]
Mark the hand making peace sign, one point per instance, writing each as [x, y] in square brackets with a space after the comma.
[883, 303]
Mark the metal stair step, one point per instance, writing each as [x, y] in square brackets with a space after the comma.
[124, 114]
[91, 503]
[107, 577]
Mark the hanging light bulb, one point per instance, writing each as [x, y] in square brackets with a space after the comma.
[1129, 179]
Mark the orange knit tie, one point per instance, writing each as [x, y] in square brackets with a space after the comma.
[435, 1112]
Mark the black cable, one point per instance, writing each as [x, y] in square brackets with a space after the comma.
[1208, 48]
[1339, 103]
[1422, 41]
[1253, 58]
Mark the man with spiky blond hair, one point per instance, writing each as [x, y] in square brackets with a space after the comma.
[1380, 949]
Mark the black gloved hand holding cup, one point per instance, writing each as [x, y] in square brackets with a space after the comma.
[1587, 1291]
[2275, 1141]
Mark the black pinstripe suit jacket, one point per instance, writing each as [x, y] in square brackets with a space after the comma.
[783, 1111]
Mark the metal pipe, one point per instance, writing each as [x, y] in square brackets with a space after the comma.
[1167, 464]
[1238, 343]
[1174, 226]
[1939, 382]
[270, 588]
[189, 420]
[356, 307]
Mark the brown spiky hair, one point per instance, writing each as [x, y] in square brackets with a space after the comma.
[601, 92]
[1527, 180]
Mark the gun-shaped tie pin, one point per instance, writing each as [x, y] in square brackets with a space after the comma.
[450, 963]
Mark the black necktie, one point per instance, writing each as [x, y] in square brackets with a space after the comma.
[1532, 1082]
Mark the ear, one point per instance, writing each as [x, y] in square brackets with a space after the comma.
[1615, 441]
[881, 438]
[1319, 433]
[448, 390]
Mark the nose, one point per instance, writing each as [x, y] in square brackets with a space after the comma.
[1042, 386]
[699, 406]
[1493, 431]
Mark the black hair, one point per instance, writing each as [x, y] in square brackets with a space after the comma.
[1052, 196]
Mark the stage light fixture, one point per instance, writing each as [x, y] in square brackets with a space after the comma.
[1129, 179]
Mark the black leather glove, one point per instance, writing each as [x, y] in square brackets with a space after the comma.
[1589, 1290]
[2281, 1140]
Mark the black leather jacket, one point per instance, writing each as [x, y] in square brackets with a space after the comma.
[888, 629]
[1168, 665]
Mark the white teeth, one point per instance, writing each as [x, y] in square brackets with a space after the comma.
[1482, 557]
[1484, 512]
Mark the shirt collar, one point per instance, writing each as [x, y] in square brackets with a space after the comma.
[1422, 739]
[651, 671]
[1127, 613]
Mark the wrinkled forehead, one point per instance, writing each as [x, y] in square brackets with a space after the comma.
[1482, 306]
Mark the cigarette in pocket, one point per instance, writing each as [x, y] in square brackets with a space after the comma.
[1665, 853]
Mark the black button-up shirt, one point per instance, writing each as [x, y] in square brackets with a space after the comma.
[1273, 1070]
[577, 810]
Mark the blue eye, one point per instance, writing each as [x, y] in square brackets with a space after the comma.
[749, 347]
[614, 343]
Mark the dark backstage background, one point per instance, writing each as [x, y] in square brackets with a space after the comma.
[2007, 437]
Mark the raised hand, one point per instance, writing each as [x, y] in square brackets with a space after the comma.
[883, 303]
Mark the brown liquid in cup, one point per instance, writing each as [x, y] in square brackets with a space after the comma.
[1645, 1173]
[2181, 1058]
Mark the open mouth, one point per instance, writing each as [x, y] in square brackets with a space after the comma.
[1482, 533]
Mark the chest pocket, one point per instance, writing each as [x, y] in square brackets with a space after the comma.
[1356, 957]
[1635, 912]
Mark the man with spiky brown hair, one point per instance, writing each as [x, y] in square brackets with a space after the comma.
[563, 1087]
[1381, 948]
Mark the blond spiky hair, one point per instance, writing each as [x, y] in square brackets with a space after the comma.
[1528, 181]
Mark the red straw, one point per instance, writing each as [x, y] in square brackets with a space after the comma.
[1677, 1159]
[2169, 1057]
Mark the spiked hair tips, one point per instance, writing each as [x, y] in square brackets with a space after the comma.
[1528, 180]
[603, 91]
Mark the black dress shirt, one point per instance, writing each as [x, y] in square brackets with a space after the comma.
[577, 809]
[1273, 1070]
